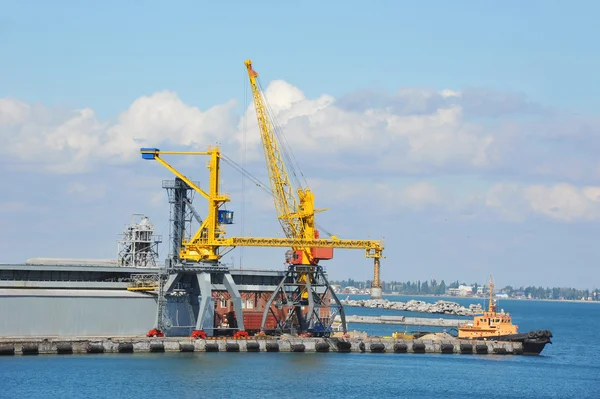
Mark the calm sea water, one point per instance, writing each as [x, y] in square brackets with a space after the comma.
[569, 368]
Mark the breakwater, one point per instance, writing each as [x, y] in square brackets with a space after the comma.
[294, 345]
[401, 320]
[439, 307]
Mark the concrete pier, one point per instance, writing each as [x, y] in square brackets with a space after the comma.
[401, 320]
[10, 347]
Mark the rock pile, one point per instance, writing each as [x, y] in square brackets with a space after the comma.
[441, 307]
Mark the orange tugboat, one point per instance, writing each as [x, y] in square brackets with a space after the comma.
[498, 326]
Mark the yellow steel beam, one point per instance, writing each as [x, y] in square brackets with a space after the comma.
[178, 152]
[175, 171]
[196, 248]
[373, 247]
[149, 288]
[297, 242]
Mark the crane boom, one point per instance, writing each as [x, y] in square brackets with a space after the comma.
[283, 192]
[297, 217]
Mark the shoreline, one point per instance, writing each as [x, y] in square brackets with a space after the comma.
[476, 298]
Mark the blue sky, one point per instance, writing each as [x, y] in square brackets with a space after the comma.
[107, 54]
[465, 133]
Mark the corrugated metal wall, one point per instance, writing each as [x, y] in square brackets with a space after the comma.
[103, 314]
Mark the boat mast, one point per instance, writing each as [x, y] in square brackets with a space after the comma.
[492, 305]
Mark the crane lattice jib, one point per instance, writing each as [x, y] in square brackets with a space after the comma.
[283, 192]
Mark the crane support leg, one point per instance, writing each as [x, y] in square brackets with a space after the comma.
[171, 281]
[321, 312]
[206, 312]
[236, 299]
[376, 285]
[340, 308]
[311, 306]
[269, 303]
[159, 322]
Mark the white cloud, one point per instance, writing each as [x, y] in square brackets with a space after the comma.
[411, 131]
[287, 105]
[313, 127]
[560, 202]
[406, 140]
[79, 141]
[512, 202]
[163, 117]
[564, 202]
[450, 93]
[12, 112]
[441, 138]
[422, 131]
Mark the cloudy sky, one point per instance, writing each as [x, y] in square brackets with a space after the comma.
[465, 136]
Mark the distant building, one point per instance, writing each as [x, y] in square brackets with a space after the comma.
[502, 295]
[463, 290]
[351, 290]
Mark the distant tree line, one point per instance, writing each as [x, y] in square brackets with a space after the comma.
[432, 287]
[552, 293]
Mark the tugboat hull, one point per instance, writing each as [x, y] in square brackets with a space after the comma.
[534, 346]
[533, 341]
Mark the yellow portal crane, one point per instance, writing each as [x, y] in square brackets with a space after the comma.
[305, 283]
[304, 278]
[297, 217]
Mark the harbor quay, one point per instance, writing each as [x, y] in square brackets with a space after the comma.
[98, 345]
